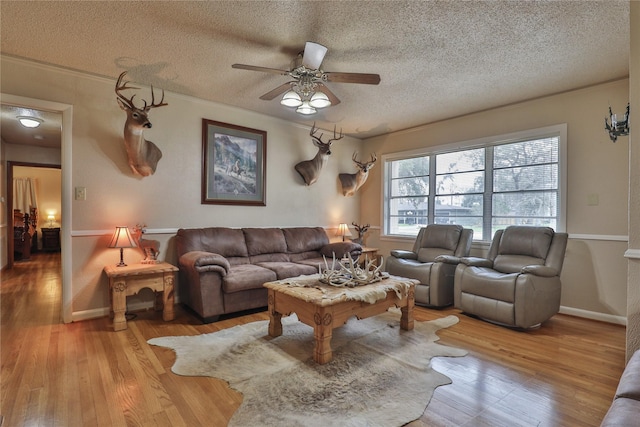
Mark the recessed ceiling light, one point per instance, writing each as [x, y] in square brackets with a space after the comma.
[29, 122]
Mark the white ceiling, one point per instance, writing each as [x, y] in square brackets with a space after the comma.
[436, 59]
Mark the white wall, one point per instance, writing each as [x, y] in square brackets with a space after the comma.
[633, 284]
[594, 273]
[169, 199]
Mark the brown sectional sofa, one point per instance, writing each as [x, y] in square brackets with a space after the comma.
[222, 269]
[625, 409]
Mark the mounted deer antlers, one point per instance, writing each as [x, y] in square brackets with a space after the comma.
[309, 170]
[143, 155]
[351, 182]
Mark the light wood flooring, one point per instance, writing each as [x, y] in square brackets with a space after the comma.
[84, 374]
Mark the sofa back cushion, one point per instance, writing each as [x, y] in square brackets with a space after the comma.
[305, 239]
[228, 242]
[522, 245]
[438, 239]
[264, 241]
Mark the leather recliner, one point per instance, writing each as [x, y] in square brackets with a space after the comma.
[518, 284]
[433, 260]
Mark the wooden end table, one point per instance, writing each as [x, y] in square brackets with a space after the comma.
[325, 307]
[130, 279]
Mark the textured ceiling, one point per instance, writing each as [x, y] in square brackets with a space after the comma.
[436, 59]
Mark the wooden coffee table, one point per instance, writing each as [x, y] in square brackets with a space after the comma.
[325, 307]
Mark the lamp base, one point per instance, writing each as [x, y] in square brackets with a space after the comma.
[121, 264]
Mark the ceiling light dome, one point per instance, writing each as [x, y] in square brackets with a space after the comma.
[291, 99]
[306, 109]
[319, 100]
[29, 122]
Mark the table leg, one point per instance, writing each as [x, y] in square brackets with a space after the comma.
[275, 318]
[119, 299]
[168, 297]
[406, 321]
[322, 332]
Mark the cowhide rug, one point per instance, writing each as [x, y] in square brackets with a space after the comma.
[380, 375]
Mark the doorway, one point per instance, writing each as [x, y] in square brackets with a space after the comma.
[66, 113]
[49, 194]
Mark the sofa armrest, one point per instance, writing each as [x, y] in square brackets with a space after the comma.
[401, 253]
[539, 270]
[340, 249]
[202, 261]
[476, 262]
[448, 259]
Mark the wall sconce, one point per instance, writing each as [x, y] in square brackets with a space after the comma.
[619, 124]
[343, 230]
[122, 239]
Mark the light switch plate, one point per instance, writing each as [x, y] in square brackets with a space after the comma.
[81, 193]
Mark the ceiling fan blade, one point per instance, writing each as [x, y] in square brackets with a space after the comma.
[277, 91]
[322, 88]
[368, 79]
[263, 69]
[313, 55]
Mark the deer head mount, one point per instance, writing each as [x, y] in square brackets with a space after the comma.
[309, 170]
[143, 155]
[351, 182]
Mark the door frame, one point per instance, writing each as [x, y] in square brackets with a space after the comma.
[66, 309]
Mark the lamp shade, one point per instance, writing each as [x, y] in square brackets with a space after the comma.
[122, 239]
[343, 230]
[305, 108]
[291, 99]
[319, 100]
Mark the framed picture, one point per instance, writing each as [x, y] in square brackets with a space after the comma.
[234, 163]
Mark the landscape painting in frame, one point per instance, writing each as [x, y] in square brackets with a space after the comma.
[234, 161]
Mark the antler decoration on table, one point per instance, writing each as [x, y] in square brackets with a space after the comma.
[350, 274]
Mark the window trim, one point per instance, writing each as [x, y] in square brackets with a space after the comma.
[559, 130]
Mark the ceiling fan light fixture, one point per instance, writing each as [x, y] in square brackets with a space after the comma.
[319, 100]
[29, 122]
[305, 109]
[291, 99]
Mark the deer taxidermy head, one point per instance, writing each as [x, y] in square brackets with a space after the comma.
[309, 170]
[143, 155]
[351, 182]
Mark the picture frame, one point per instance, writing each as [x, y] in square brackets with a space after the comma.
[234, 164]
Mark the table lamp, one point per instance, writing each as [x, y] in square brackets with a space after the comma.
[343, 230]
[51, 218]
[122, 239]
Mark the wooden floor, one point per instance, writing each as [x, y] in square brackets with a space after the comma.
[84, 374]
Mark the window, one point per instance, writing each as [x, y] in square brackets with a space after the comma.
[485, 185]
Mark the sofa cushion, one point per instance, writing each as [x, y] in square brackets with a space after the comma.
[341, 249]
[305, 239]
[264, 241]
[228, 242]
[629, 385]
[246, 276]
[285, 270]
[622, 413]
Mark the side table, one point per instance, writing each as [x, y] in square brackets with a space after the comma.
[130, 279]
[370, 254]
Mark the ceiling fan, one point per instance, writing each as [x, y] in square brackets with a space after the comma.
[308, 92]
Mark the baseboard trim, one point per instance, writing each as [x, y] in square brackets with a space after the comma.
[602, 317]
[96, 313]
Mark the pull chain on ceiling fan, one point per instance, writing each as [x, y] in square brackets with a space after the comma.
[308, 92]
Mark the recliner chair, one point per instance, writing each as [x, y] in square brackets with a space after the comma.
[436, 252]
[518, 284]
